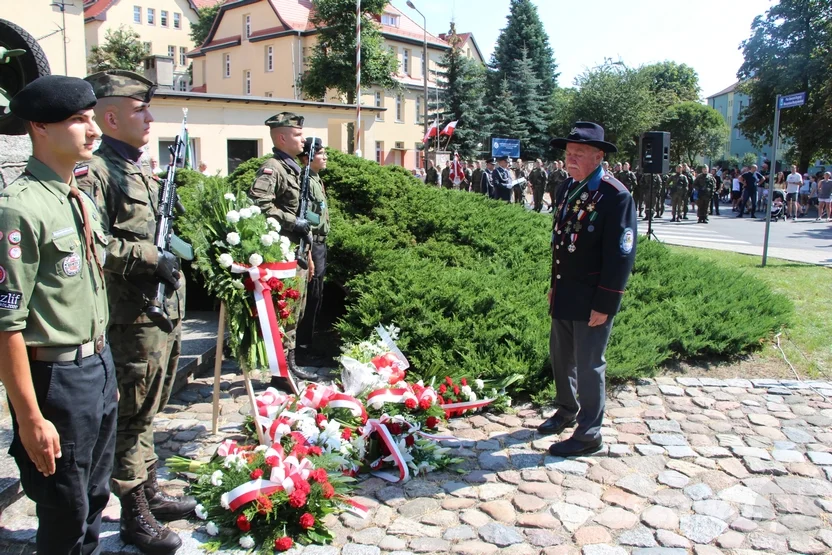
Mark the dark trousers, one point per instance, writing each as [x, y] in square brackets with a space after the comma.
[79, 398]
[577, 353]
[715, 203]
[537, 196]
[314, 295]
[702, 204]
[749, 193]
[503, 193]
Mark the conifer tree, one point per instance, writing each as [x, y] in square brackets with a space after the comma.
[504, 117]
[524, 86]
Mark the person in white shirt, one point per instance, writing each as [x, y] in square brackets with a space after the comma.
[793, 183]
[736, 191]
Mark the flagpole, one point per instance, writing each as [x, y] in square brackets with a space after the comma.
[357, 133]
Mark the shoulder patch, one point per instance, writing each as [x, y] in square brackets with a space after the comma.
[82, 170]
[610, 180]
[268, 171]
[627, 241]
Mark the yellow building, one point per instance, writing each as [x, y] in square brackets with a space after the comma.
[59, 28]
[260, 49]
[164, 26]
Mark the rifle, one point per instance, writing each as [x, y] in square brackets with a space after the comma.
[169, 204]
[305, 241]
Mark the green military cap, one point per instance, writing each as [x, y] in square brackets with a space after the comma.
[52, 98]
[285, 119]
[120, 82]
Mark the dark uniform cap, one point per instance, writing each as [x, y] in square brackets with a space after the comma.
[52, 98]
[491, 161]
[319, 145]
[120, 82]
[285, 119]
[502, 158]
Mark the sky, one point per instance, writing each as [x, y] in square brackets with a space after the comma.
[704, 34]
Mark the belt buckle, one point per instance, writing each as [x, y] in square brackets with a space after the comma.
[99, 344]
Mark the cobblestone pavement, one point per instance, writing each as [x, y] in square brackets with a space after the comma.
[692, 465]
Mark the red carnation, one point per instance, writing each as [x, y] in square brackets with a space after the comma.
[315, 450]
[248, 284]
[243, 523]
[346, 433]
[283, 544]
[463, 381]
[300, 451]
[281, 305]
[297, 499]
[280, 285]
[328, 490]
[448, 380]
[273, 283]
[425, 403]
[410, 403]
[456, 390]
[319, 475]
[307, 521]
[272, 460]
[443, 388]
[301, 485]
[395, 428]
[264, 505]
[284, 314]
[320, 418]
[431, 422]
[293, 294]
[409, 441]
[441, 400]
[256, 473]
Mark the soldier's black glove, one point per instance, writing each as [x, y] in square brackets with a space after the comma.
[167, 268]
[302, 226]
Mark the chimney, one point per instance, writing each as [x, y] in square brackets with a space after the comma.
[159, 69]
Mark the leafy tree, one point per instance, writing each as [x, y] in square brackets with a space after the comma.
[748, 159]
[462, 84]
[620, 100]
[789, 50]
[695, 129]
[121, 50]
[671, 82]
[332, 63]
[504, 117]
[200, 29]
[525, 87]
[524, 30]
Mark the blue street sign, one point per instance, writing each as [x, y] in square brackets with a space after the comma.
[792, 100]
[501, 146]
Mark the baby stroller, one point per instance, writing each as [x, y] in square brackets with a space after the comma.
[778, 208]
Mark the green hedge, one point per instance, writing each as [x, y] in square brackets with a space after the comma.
[466, 277]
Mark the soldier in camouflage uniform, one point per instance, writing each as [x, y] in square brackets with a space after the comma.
[145, 356]
[678, 193]
[446, 177]
[689, 197]
[557, 177]
[653, 196]
[538, 179]
[627, 177]
[276, 190]
[705, 185]
[432, 176]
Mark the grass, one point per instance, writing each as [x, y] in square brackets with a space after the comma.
[808, 341]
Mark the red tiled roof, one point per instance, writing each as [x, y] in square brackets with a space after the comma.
[294, 13]
[96, 7]
[408, 28]
[200, 89]
[199, 4]
[269, 31]
[225, 40]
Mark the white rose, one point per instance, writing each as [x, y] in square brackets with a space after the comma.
[238, 284]
[466, 390]
[245, 213]
[255, 259]
[229, 196]
[233, 216]
[254, 210]
[216, 478]
[226, 260]
[201, 514]
[285, 243]
[274, 235]
[233, 238]
[246, 542]
[289, 256]
[224, 502]
[480, 384]
[212, 529]
[266, 240]
[274, 224]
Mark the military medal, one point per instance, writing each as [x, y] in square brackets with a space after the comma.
[590, 228]
[584, 195]
[590, 207]
[578, 226]
[571, 248]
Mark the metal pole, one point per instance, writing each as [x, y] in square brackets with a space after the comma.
[357, 130]
[425, 64]
[772, 171]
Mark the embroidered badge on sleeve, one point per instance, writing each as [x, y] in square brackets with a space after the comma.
[627, 241]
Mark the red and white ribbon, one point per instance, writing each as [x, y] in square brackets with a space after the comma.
[458, 408]
[319, 396]
[228, 447]
[380, 396]
[269, 326]
[250, 491]
[375, 425]
[356, 508]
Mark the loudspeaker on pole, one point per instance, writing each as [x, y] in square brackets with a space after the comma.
[654, 152]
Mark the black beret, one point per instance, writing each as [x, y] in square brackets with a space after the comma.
[52, 98]
[307, 144]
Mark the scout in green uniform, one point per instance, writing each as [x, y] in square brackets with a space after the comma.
[538, 178]
[276, 190]
[318, 216]
[146, 356]
[57, 367]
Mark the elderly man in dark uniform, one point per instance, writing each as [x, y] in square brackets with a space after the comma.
[501, 180]
[486, 185]
[594, 247]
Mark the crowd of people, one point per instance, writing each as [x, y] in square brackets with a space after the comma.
[702, 189]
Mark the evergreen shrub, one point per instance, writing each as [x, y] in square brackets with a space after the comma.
[466, 278]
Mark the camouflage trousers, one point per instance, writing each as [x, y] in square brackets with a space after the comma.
[678, 201]
[146, 359]
[290, 329]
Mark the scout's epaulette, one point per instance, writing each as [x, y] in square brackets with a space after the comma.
[82, 170]
[607, 178]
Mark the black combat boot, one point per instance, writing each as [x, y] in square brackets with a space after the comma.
[298, 371]
[162, 505]
[140, 528]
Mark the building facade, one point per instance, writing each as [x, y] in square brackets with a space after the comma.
[261, 48]
[729, 103]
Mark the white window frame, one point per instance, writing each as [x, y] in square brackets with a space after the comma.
[226, 62]
[389, 19]
[172, 51]
[137, 11]
[399, 108]
[419, 109]
[270, 58]
[406, 61]
[183, 56]
[379, 102]
[151, 16]
[177, 20]
[163, 18]
[246, 26]
[380, 152]
[247, 82]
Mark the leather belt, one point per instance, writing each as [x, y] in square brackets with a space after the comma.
[68, 354]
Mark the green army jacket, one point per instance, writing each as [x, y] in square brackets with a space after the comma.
[276, 190]
[704, 184]
[128, 201]
[555, 179]
[318, 206]
[48, 291]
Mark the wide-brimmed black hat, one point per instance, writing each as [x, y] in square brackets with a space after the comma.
[586, 133]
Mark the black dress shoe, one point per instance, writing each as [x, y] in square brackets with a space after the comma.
[555, 424]
[573, 447]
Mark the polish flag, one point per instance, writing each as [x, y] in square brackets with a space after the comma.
[431, 132]
[456, 174]
[449, 129]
